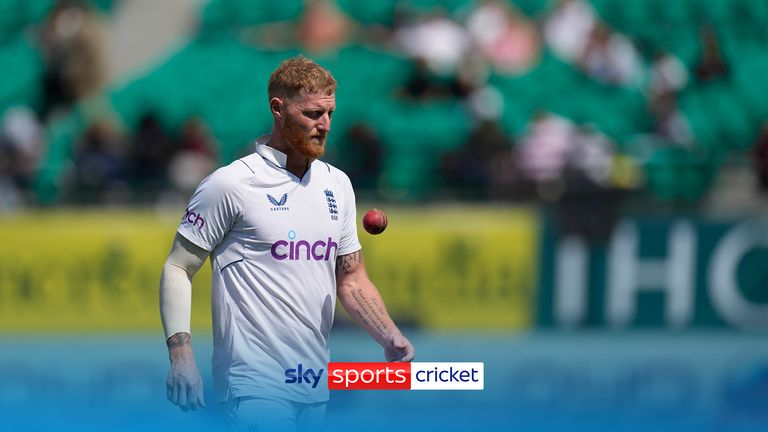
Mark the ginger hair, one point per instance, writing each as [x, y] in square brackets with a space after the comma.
[300, 73]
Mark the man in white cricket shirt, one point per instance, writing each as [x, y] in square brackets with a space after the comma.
[279, 226]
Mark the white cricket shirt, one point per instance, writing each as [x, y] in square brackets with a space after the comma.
[273, 239]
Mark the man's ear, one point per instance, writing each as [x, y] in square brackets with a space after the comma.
[277, 107]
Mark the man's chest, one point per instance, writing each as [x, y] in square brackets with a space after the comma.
[292, 211]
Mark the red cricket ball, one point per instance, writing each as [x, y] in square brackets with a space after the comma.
[375, 221]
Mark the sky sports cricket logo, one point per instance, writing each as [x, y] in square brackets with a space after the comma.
[393, 376]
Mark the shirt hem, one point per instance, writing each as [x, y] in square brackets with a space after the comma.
[234, 393]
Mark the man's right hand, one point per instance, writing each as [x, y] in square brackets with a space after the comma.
[184, 386]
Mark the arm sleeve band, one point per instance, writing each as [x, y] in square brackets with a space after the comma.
[183, 262]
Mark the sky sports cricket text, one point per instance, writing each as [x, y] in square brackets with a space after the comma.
[392, 376]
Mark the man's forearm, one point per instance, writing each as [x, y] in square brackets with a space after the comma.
[175, 300]
[184, 386]
[176, 285]
[364, 303]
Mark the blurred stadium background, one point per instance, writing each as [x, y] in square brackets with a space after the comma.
[576, 190]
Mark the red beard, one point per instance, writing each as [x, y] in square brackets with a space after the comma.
[296, 137]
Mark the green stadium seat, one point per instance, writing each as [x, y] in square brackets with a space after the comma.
[441, 126]
[103, 5]
[716, 12]
[248, 12]
[15, 15]
[758, 10]
[452, 7]
[693, 105]
[672, 13]
[674, 173]
[605, 9]
[515, 117]
[11, 19]
[61, 136]
[371, 11]
[683, 42]
[35, 11]
[753, 63]
[731, 127]
[411, 170]
[23, 66]
[356, 66]
[220, 15]
[224, 82]
[630, 15]
[532, 8]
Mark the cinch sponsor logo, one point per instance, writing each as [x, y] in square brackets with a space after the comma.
[193, 218]
[296, 250]
[299, 375]
[406, 376]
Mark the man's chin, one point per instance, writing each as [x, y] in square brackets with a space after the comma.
[312, 151]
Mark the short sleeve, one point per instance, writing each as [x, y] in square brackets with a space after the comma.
[212, 211]
[349, 242]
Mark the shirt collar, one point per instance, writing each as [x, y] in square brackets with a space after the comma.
[271, 154]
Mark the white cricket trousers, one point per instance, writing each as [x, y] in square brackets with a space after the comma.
[255, 414]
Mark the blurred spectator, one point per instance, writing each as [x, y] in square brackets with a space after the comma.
[670, 123]
[195, 159]
[425, 85]
[592, 155]
[22, 139]
[546, 146]
[196, 138]
[472, 75]
[610, 57]
[711, 66]
[152, 150]
[71, 43]
[486, 103]
[21, 146]
[323, 26]
[588, 202]
[668, 75]
[422, 84]
[587, 209]
[362, 154]
[436, 39]
[506, 38]
[487, 23]
[468, 170]
[760, 158]
[568, 27]
[10, 198]
[505, 180]
[453, 62]
[99, 163]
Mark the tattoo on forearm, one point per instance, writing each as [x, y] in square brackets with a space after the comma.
[378, 307]
[177, 340]
[369, 311]
[344, 262]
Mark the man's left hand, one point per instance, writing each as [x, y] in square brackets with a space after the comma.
[399, 349]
